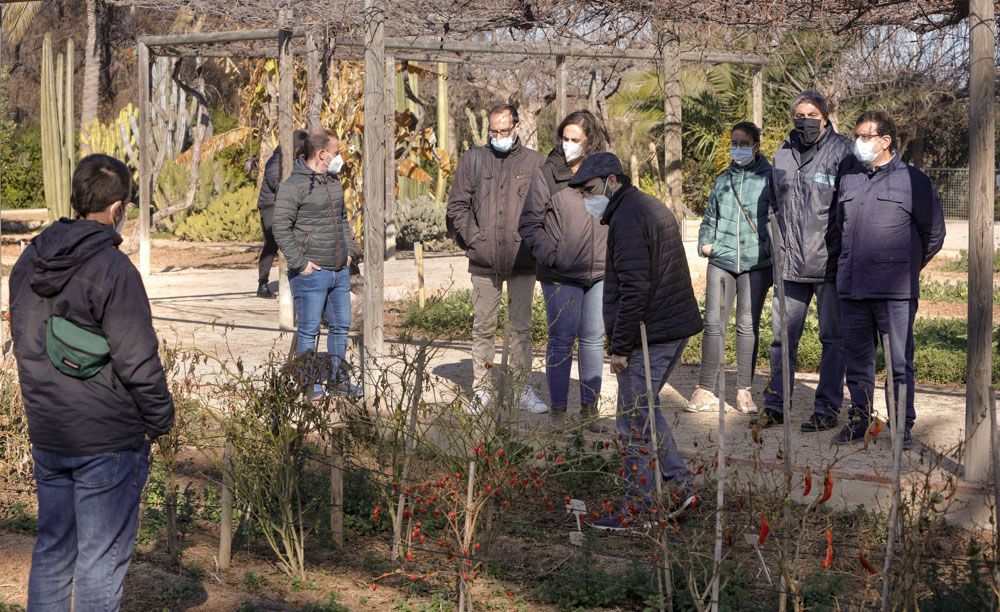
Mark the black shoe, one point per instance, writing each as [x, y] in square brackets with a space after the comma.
[855, 430]
[769, 418]
[263, 291]
[907, 439]
[819, 422]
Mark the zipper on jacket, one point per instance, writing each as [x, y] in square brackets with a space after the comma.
[739, 220]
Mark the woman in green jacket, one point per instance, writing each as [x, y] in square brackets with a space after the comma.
[733, 236]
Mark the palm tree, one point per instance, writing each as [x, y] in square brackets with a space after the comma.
[91, 67]
[17, 16]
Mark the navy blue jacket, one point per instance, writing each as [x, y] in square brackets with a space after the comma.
[891, 225]
[646, 277]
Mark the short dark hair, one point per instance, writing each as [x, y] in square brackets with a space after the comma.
[505, 108]
[749, 128]
[299, 138]
[811, 96]
[884, 125]
[597, 138]
[99, 181]
[316, 141]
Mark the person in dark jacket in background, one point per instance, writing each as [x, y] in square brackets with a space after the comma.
[312, 230]
[803, 199]
[484, 205]
[892, 225]
[265, 206]
[646, 281]
[733, 236]
[90, 437]
[569, 246]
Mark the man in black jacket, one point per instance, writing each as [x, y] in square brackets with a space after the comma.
[646, 281]
[804, 181]
[265, 205]
[90, 437]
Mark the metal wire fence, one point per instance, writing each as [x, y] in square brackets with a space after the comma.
[953, 188]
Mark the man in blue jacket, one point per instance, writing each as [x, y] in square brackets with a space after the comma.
[804, 182]
[90, 434]
[892, 225]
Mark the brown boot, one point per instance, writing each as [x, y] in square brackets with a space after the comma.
[591, 419]
[557, 418]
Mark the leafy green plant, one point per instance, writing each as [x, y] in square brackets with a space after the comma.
[583, 584]
[451, 316]
[20, 518]
[232, 217]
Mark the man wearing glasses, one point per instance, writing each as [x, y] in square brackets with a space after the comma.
[892, 225]
[484, 207]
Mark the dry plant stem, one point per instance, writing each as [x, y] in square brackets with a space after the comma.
[668, 580]
[411, 443]
[337, 484]
[995, 457]
[226, 503]
[897, 420]
[463, 586]
[720, 492]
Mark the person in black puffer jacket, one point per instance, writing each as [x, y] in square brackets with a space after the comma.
[646, 282]
[90, 436]
[265, 205]
[570, 247]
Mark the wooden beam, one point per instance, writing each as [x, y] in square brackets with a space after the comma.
[286, 84]
[145, 167]
[211, 38]
[758, 98]
[374, 187]
[672, 153]
[982, 184]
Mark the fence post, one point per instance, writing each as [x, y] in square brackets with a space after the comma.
[226, 503]
[337, 487]
[418, 254]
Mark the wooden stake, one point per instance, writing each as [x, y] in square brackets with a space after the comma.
[996, 481]
[721, 474]
[897, 421]
[463, 587]
[337, 486]
[226, 503]
[418, 254]
[411, 445]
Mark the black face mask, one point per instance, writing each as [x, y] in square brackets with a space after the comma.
[808, 129]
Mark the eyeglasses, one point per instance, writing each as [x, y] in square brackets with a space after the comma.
[745, 143]
[867, 137]
[502, 133]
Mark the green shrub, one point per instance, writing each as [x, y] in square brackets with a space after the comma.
[230, 218]
[21, 159]
[422, 220]
[582, 585]
[451, 317]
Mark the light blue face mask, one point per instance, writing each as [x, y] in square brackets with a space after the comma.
[742, 156]
[502, 145]
[597, 204]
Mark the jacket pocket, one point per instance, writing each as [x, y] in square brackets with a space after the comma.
[891, 256]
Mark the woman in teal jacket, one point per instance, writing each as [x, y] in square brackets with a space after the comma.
[733, 236]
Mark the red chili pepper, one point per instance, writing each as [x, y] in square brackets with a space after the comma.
[865, 564]
[827, 489]
[876, 427]
[828, 560]
[809, 483]
[765, 528]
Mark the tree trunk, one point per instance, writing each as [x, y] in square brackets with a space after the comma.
[91, 70]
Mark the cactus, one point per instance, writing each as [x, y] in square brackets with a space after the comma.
[478, 128]
[117, 139]
[58, 135]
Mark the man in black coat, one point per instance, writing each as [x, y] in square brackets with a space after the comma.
[90, 436]
[265, 205]
[646, 281]
[892, 225]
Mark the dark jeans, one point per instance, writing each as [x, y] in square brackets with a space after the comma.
[632, 423]
[270, 249]
[830, 390]
[574, 313]
[749, 289]
[318, 292]
[863, 322]
[87, 511]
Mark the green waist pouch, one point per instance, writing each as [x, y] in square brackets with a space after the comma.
[73, 350]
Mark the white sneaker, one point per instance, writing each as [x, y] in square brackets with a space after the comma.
[531, 403]
[480, 400]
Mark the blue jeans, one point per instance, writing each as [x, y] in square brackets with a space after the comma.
[864, 322]
[632, 423]
[749, 290]
[830, 390]
[574, 313]
[329, 291]
[87, 512]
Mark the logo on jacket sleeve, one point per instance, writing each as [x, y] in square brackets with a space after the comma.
[825, 179]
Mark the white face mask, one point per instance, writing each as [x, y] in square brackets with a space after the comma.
[502, 145]
[865, 151]
[572, 150]
[597, 204]
[336, 164]
[742, 156]
[120, 222]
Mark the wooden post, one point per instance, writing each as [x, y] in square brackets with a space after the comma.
[337, 486]
[758, 98]
[226, 503]
[286, 75]
[720, 493]
[982, 184]
[561, 110]
[897, 420]
[672, 177]
[418, 254]
[390, 159]
[314, 85]
[463, 587]
[442, 125]
[374, 187]
[145, 167]
[411, 445]
[996, 476]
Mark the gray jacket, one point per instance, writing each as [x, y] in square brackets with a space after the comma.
[310, 220]
[804, 183]
[484, 207]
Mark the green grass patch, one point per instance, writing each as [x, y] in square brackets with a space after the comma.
[936, 291]
[961, 264]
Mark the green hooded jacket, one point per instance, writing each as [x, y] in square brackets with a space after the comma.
[738, 246]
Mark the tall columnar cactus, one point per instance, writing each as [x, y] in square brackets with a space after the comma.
[58, 135]
[117, 138]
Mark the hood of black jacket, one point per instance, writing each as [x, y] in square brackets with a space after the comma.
[616, 199]
[65, 246]
[561, 169]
